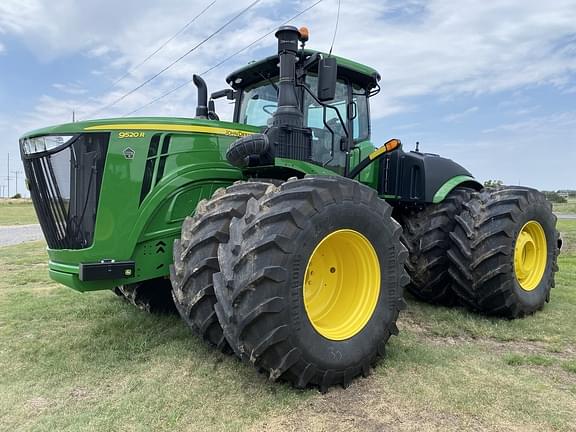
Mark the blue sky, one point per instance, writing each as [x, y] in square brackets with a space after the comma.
[490, 84]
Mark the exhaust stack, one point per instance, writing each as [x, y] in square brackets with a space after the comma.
[202, 104]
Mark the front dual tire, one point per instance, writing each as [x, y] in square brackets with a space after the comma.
[310, 281]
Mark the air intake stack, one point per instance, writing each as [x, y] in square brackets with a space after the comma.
[288, 112]
[286, 137]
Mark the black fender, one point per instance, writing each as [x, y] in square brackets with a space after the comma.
[421, 177]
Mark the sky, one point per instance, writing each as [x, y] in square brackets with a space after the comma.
[490, 84]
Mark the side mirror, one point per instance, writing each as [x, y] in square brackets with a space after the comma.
[327, 73]
[227, 93]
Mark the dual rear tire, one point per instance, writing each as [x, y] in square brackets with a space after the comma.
[494, 251]
[426, 235]
[504, 251]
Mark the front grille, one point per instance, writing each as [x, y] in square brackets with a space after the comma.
[65, 186]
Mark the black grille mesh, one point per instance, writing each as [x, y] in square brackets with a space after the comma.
[65, 186]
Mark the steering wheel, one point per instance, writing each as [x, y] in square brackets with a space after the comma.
[336, 126]
[266, 108]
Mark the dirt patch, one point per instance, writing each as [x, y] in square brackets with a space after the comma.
[490, 345]
[367, 406]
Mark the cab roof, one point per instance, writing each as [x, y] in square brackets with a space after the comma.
[256, 71]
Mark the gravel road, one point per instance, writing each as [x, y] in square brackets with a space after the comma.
[14, 234]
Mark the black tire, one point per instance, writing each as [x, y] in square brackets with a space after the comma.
[196, 257]
[482, 251]
[259, 289]
[152, 296]
[426, 236]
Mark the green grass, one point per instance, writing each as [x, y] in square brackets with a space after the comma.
[569, 207]
[17, 212]
[85, 362]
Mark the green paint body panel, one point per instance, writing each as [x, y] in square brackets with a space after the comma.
[195, 166]
[144, 232]
[368, 176]
[135, 225]
[447, 187]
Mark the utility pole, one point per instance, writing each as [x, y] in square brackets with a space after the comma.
[16, 177]
[8, 176]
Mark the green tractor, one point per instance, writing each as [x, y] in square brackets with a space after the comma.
[285, 236]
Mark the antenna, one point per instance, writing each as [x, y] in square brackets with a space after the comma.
[335, 29]
[418, 146]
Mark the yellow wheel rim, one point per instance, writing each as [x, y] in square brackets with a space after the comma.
[530, 255]
[341, 284]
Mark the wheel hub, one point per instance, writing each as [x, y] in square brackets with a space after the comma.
[530, 255]
[341, 284]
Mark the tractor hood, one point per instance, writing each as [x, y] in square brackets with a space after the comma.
[117, 191]
[177, 124]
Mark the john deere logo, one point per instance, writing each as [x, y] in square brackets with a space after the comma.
[128, 153]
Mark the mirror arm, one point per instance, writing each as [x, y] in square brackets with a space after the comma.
[228, 93]
[311, 93]
[272, 83]
[310, 61]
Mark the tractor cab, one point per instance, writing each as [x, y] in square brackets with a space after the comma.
[313, 113]
[337, 125]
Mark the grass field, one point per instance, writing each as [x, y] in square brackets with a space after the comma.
[21, 211]
[568, 207]
[85, 362]
[17, 212]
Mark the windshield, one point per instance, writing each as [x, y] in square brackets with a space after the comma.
[259, 102]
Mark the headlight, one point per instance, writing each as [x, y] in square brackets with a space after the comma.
[44, 143]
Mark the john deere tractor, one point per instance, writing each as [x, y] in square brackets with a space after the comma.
[287, 235]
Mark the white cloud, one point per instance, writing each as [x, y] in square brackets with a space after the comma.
[523, 152]
[457, 116]
[70, 88]
[541, 125]
[2, 48]
[436, 47]
[445, 48]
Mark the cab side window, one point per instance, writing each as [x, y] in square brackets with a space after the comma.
[360, 125]
[321, 136]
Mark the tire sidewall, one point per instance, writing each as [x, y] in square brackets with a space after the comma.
[352, 351]
[536, 297]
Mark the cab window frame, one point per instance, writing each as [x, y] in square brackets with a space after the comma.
[360, 92]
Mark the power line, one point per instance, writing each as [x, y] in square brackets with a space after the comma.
[170, 39]
[335, 29]
[202, 42]
[153, 101]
